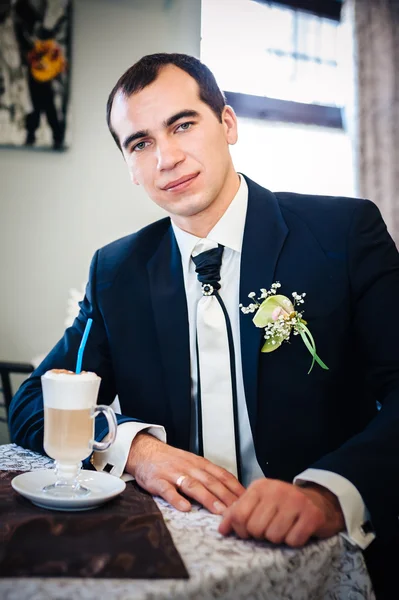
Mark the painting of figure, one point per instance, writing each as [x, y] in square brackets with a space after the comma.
[35, 70]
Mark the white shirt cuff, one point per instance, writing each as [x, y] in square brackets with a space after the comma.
[115, 458]
[354, 510]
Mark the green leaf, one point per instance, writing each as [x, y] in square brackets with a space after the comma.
[311, 346]
[264, 313]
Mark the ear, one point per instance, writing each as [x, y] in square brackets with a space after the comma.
[229, 122]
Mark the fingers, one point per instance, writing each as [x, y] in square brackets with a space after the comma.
[237, 516]
[300, 533]
[190, 481]
[260, 519]
[168, 492]
[280, 525]
[192, 487]
[276, 511]
[195, 489]
[217, 487]
[210, 485]
[227, 479]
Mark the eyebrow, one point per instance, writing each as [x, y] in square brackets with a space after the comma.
[183, 114]
[145, 132]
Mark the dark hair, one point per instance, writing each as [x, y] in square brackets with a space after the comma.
[146, 70]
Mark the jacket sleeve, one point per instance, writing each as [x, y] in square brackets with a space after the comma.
[26, 410]
[370, 460]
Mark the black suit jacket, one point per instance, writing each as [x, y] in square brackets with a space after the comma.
[338, 251]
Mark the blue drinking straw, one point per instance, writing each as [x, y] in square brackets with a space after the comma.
[82, 345]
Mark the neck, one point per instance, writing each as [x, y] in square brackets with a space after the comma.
[203, 222]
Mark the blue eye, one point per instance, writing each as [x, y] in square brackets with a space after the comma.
[185, 126]
[139, 146]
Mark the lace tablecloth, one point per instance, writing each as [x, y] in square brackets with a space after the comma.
[223, 568]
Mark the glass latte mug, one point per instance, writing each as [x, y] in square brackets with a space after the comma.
[69, 411]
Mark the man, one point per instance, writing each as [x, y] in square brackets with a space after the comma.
[322, 430]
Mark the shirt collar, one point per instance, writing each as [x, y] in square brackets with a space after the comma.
[228, 231]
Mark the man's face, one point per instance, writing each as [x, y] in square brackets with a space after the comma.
[173, 143]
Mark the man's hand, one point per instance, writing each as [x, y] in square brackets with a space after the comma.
[157, 467]
[284, 513]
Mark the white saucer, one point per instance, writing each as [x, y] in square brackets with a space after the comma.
[103, 487]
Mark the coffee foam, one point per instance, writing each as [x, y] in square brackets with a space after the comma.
[66, 390]
[64, 375]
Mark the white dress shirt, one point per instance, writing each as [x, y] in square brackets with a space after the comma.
[229, 231]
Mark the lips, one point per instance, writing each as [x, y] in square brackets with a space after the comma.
[179, 183]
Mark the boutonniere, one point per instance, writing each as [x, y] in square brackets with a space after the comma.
[280, 317]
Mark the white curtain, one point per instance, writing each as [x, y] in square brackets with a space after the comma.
[374, 118]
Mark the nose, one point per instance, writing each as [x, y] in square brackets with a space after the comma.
[169, 155]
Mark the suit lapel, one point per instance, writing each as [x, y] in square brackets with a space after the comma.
[171, 321]
[264, 236]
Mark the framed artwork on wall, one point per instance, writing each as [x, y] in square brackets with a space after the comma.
[35, 70]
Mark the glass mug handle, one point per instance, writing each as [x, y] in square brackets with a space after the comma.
[112, 426]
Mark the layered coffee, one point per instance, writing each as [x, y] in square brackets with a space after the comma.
[69, 400]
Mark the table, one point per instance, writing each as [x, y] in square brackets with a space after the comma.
[223, 568]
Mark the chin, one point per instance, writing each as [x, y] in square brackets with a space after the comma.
[191, 211]
[186, 207]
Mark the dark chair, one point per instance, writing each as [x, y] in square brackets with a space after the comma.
[6, 369]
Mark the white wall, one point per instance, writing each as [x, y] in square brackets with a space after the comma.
[57, 209]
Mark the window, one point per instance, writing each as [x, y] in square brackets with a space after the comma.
[265, 52]
[279, 70]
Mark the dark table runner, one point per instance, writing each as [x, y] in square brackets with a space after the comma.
[125, 538]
